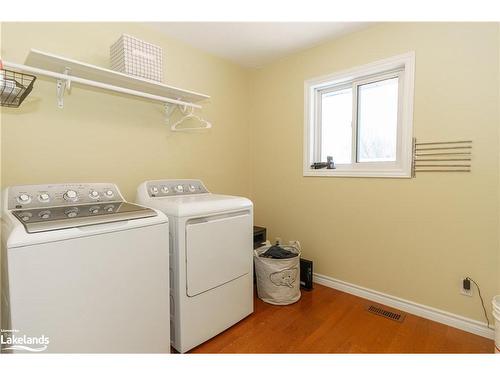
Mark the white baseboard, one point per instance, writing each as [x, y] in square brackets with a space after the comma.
[469, 325]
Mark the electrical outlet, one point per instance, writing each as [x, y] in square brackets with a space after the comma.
[463, 291]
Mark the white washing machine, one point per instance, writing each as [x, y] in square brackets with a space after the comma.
[83, 271]
[211, 274]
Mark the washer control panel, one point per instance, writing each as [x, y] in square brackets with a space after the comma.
[54, 195]
[168, 188]
[63, 217]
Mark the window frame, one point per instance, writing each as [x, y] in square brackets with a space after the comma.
[402, 66]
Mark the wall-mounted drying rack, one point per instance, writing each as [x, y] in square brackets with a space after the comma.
[67, 71]
[452, 156]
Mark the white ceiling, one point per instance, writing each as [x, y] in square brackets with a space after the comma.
[253, 44]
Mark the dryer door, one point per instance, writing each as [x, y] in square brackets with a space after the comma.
[218, 250]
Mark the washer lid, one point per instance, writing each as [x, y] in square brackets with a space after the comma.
[56, 218]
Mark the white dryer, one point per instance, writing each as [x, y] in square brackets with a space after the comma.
[83, 271]
[211, 274]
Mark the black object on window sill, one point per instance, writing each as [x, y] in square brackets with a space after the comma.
[329, 164]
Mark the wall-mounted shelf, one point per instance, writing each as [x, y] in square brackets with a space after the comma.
[67, 71]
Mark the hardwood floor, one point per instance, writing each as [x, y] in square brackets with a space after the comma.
[329, 321]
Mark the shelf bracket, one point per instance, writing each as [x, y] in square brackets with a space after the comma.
[61, 87]
[169, 109]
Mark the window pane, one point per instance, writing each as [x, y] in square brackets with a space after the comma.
[378, 121]
[336, 131]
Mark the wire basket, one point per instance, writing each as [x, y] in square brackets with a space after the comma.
[14, 87]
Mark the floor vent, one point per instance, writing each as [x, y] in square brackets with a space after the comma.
[395, 315]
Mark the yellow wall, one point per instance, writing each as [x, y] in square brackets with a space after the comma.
[100, 136]
[411, 238]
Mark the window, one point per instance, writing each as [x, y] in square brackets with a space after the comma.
[362, 119]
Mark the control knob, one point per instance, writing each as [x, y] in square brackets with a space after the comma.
[109, 208]
[25, 216]
[154, 190]
[71, 195]
[72, 212]
[94, 210]
[179, 188]
[192, 188]
[44, 214]
[24, 198]
[43, 197]
[165, 189]
[93, 194]
[109, 193]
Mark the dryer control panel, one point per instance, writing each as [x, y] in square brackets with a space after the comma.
[168, 188]
[54, 195]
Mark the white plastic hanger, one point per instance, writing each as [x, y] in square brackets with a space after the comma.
[174, 127]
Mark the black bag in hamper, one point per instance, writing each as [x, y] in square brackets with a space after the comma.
[278, 252]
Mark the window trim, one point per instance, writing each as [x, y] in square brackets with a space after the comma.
[313, 89]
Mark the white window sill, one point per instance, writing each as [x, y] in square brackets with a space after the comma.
[393, 173]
